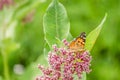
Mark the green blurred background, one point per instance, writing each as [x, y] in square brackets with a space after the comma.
[22, 37]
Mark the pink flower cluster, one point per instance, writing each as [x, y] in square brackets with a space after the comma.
[65, 64]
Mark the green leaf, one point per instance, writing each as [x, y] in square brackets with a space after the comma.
[56, 24]
[92, 36]
[46, 50]
[70, 37]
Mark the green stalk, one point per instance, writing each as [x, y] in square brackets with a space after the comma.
[5, 64]
[4, 54]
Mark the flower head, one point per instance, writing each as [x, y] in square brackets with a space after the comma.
[64, 64]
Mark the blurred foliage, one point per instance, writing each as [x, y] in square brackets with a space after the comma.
[25, 45]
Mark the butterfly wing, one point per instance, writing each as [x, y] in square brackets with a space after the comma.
[79, 42]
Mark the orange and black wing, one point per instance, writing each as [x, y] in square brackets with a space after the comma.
[79, 42]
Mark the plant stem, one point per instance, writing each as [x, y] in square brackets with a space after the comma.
[4, 54]
[5, 64]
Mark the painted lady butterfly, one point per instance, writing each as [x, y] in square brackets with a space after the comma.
[79, 43]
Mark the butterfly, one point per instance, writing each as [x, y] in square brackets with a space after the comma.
[79, 43]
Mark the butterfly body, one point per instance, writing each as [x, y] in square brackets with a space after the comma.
[79, 43]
